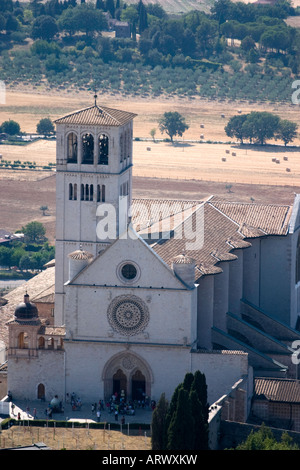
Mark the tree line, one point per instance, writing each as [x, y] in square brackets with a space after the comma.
[192, 48]
[12, 128]
[32, 253]
[258, 126]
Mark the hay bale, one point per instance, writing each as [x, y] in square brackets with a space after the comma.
[223, 159]
[288, 170]
[202, 126]
[285, 159]
[202, 136]
[227, 151]
[233, 154]
[148, 148]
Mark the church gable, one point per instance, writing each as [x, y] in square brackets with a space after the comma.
[129, 262]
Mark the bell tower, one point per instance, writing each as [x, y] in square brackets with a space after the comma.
[93, 182]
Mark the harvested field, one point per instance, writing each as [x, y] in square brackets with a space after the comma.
[73, 438]
[187, 169]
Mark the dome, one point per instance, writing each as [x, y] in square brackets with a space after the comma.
[80, 255]
[183, 259]
[26, 310]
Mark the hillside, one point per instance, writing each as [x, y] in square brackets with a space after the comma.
[246, 52]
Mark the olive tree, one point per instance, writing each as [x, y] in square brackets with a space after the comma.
[172, 123]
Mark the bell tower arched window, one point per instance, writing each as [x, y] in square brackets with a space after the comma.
[87, 149]
[23, 340]
[72, 148]
[103, 150]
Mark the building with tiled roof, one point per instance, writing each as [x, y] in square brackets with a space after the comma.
[97, 116]
[276, 402]
[145, 290]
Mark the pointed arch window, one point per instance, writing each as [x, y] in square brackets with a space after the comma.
[87, 149]
[103, 148]
[72, 148]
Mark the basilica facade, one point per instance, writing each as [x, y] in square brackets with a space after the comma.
[143, 290]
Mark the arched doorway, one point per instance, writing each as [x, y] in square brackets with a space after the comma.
[138, 386]
[129, 372]
[119, 382]
[41, 392]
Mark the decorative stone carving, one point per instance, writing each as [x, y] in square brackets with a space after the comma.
[128, 362]
[128, 315]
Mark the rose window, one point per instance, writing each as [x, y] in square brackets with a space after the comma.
[128, 315]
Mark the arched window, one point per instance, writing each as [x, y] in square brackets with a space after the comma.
[70, 192]
[23, 341]
[103, 150]
[298, 260]
[72, 148]
[88, 149]
[41, 342]
[86, 192]
[100, 193]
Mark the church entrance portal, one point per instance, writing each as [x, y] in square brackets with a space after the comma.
[129, 375]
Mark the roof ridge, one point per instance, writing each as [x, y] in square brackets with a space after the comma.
[105, 110]
[249, 203]
[97, 115]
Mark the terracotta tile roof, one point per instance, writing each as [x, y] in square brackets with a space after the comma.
[256, 219]
[217, 237]
[221, 228]
[150, 215]
[279, 390]
[42, 284]
[97, 116]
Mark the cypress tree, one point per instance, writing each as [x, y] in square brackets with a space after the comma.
[110, 6]
[172, 405]
[100, 5]
[201, 432]
[181, 428]
[159, 423]
[143, 17]
[187, 381]
[200, 387]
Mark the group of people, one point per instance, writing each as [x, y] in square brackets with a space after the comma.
[116, 405]
[75, 401]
